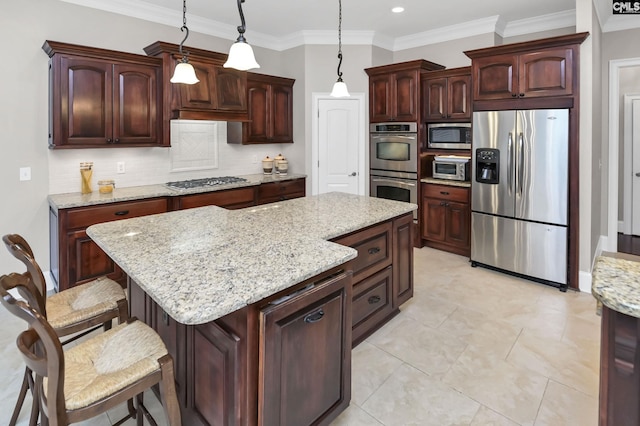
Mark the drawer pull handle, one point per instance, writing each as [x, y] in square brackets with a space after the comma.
[444, 192]
[373, 300]
[122, 213]
[374, 250]
[314, 317]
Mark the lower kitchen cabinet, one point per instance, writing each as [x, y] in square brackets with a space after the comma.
[446, 218]
[230, 199]
[280, 191]
[74, 257]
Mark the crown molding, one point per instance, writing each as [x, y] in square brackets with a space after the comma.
[621, 23]
[552, 21]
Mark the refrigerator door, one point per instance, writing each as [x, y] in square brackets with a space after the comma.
[542, 165]
[533, 249]
[494, 130]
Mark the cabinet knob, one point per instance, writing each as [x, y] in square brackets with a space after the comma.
[109, 140]
[314, 317]
[116, 140]
[522, 95]
[444, 192]
[514, 95]
[122, 213]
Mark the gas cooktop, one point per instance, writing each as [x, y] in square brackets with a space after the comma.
[204, 182]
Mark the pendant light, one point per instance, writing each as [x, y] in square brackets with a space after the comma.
[241, 54]
[184, 72]
[340, 87]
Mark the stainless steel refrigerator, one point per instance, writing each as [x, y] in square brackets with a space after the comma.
[519, 192]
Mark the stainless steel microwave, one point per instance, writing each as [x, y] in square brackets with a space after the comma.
[449, 135]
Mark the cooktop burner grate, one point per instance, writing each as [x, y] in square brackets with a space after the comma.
[200, 183]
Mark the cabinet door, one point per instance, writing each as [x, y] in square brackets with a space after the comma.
[403, 230]
[433, 219]
[280, 191]
[85, 103]
[201, 95]
[494, 77]
[136, 112]
[546, 73]
[306, 343]
[231, 89]
[435, 98]
[458, 218]
[173, 335]
[372, 303]
[405, 93]
[281, 114]
[87, 261]
[232, 198]
[380, 102]
[258, 129]
[459, 96]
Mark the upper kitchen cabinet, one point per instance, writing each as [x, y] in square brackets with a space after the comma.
[446, 95]
[535, 69]
[102, 98]
[394, 90]
[220, 95]
[270, 120]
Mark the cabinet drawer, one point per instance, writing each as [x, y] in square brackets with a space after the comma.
[372, 302]
[445, 192]
[232, 197]
[374, 249]
[87, 216]
[281, 188]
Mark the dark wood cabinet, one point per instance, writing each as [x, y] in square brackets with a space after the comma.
[394, 90]
[535, 69]
[305, 342]
[446, 218]
[74, 257]
[228, 198]
[270, 117]
[280, 191]
[446, 95]
[101, 98]
[382, 273]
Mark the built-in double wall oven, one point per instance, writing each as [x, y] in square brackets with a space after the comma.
[393, 162]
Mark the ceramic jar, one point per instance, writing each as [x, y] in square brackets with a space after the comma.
[267, 165]
[276, 162]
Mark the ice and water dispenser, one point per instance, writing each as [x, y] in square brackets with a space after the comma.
[488, 165]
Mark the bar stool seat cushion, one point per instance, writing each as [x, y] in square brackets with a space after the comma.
[78, 303]
[107, 363]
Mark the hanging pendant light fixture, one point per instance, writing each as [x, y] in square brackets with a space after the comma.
[184, 72]
[340, 87]
[241, 54]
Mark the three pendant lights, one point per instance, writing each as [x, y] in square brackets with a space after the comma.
[241, 55]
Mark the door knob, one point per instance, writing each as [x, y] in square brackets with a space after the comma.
[354, 174]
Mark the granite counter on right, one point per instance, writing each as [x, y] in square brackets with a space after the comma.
[616, 284]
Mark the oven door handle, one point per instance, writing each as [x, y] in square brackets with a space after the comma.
[399, 182]
[391, 138]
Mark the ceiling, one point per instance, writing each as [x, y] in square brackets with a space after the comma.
[281, 24]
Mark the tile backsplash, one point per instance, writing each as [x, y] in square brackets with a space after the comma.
[199, 149]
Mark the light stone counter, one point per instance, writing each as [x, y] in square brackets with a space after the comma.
[201, 264]
[76, 199]
[616, 282]
[462, 184]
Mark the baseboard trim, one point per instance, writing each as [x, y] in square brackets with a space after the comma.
[585, 278]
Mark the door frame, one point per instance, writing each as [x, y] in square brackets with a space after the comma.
[363, 165]
[627, 214]
[614, 146]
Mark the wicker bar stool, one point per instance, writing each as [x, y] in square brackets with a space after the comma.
[96, 374]
[76, 311]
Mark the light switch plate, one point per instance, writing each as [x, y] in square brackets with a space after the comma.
[25, 173]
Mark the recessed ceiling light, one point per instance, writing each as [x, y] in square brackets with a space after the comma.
[398, 9]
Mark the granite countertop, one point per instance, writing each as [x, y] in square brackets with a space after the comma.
[76, 199]
[616, 282]
[463, 184]
[201, 264]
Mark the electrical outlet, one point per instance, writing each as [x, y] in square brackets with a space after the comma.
[254, 159]
[120, 167]
[25, 173]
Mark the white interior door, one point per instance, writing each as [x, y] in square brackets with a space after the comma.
[635, 143]
[340, 146]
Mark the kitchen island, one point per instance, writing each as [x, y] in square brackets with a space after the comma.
[616, 285]
[255, 305]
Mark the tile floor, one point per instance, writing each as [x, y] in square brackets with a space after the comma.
[473, 347]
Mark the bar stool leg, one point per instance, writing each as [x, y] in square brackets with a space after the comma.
[21, 397]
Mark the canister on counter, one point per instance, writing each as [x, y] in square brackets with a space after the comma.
[267, 165]
[106, 186]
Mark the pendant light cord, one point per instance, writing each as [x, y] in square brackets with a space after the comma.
[184, 28]
[339, 39]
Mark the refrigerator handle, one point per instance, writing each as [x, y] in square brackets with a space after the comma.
[510, 161]
[521, 162]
